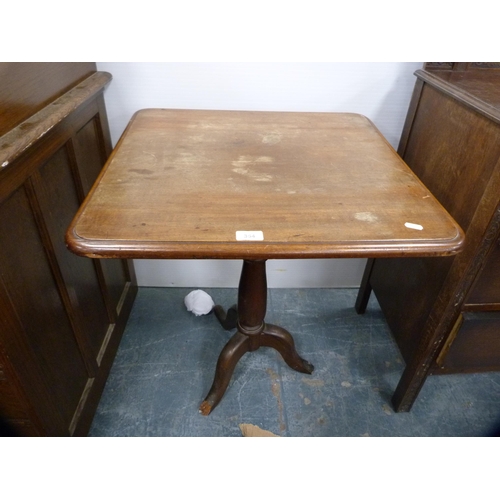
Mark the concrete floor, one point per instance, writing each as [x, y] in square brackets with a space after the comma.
[166, 361]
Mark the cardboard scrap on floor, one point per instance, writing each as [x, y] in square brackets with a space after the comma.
[250, 430]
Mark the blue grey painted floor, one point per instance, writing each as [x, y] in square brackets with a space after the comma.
[165, 366]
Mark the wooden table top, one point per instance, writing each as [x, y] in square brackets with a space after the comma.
[186, 183]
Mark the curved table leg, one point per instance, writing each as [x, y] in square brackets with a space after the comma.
[238, 345]
[229, 319]
[281, 340]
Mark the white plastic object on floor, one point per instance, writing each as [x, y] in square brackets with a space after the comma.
[199, 302]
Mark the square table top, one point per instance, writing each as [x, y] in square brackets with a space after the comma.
[246, 184]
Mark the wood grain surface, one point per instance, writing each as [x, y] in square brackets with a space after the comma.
[181, 183]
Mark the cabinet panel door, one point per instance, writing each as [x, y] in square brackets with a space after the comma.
[34, 295]
[57, 195]
[486, 289]
[477, 344]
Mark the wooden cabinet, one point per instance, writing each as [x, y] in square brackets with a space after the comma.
[61, 316]
[445, 313]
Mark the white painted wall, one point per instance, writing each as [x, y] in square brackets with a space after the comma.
[381, 91]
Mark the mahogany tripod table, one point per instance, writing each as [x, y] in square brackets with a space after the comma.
[189, 184]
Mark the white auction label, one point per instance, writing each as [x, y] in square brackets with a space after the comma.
[249, 236]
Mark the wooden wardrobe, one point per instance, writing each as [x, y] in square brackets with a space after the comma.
[61, 316]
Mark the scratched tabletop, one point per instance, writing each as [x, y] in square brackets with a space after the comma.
[241, 184]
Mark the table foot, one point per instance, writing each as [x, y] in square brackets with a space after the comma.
[228, 320]
[238, 345]
[281, 340]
